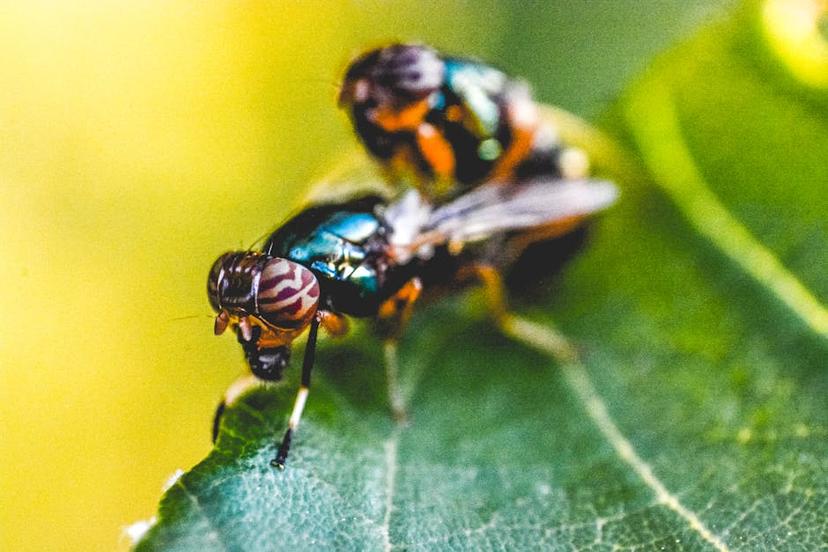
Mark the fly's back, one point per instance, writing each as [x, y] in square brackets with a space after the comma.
[449, 123]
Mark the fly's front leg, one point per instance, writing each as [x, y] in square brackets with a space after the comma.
[393, 316]
[301, 395]
[335, 324]
[495, 293]
[236, 390]
[266, 355]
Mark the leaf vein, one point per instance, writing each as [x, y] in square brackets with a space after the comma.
[578, 379]
[213, 530]
[391, 466]
[667, 155]
[399, 400]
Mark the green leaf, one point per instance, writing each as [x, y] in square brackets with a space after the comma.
[694, 418]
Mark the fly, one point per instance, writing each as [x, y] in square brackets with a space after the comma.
[448, 124]
[370, 258]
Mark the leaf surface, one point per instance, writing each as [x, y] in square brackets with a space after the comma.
[694, 418]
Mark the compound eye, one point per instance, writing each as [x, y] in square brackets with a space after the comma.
[288, 294]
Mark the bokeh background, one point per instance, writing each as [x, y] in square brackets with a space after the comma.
[140, 140]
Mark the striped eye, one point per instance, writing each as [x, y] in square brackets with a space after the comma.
[287, 295]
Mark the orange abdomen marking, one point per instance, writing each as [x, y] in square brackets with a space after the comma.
[436, 150]
[408, 118]
[524, 120]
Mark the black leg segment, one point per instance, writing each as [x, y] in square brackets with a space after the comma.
[217, 419]
[301, 397]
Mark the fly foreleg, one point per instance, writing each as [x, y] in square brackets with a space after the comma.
[236, 390]
[301, 395]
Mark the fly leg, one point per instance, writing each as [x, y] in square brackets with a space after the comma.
[266, 355]
[301, 395]
[396, 311]
[495, 293]
[335, 324]
[394, 315]
[236, 390]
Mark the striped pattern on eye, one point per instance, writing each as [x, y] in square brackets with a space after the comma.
[287, 293]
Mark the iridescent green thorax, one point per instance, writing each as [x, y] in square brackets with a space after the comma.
[344, 246]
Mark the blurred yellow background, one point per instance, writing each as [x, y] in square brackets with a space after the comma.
[140, 140]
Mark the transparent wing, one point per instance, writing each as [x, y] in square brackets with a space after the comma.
[496, 208]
